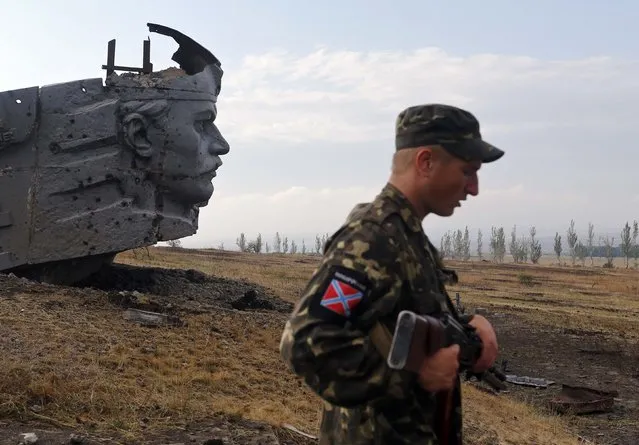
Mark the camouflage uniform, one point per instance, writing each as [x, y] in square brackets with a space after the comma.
[378, 263]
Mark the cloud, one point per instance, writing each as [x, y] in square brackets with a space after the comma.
[328, 111]
[348, 96]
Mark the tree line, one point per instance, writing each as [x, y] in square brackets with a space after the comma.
[456, 245]
[280, 244]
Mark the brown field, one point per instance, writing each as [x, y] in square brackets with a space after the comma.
[70, 361]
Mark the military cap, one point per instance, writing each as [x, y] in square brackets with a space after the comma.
[455, 129]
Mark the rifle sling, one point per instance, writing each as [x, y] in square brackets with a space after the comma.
[381, 338]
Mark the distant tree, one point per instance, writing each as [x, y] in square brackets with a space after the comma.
[277, 243]
[221, 246]
[501, 238]
[318, 244]
[293, 247]
[285, 245]
[174, 243]
[518, 248]
[571, 238]
[498, 244]
[635, 241]
[535, 246]
[591, 240]
[443, 252]
[303, 247]
[241, 242]
[454, 248]
[448, 245]
[513, 244]
[479, 245]
[466, 245]
[267, 248]
[609, 249]
[492, 245]
[325, 239]
[558, 247]
[626, 243]
[582, 252]
[524, 245]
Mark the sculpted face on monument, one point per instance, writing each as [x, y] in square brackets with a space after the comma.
[89, 169]
[180, 149]
[174, 139]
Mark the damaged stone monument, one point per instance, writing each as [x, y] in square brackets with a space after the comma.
[88, 170]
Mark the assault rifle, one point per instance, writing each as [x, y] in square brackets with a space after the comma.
[418, 336]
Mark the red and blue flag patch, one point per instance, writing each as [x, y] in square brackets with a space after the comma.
[341, 297]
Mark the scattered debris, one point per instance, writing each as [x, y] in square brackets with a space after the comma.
[28, 439]
[528, 381]
[295, 430]
[152, 319]
[583, 400]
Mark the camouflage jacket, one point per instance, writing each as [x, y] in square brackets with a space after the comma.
[378, 263]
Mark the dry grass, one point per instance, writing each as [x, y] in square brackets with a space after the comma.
[502, 421]
[69, 354]
[73, 358]
[596, 299]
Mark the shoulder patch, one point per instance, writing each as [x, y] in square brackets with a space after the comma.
[341, 294]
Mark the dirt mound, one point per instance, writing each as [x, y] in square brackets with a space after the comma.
[193, 290]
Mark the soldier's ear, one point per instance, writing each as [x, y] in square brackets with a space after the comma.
[424, 160]
[135, 134]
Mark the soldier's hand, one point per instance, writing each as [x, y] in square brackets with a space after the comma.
[439, 371]
[489, 339]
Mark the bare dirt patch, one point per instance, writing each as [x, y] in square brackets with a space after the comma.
[567, 333]
[583, 358]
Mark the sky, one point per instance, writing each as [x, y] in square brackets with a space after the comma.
[311, 90]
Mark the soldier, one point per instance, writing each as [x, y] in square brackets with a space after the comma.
[379, 263]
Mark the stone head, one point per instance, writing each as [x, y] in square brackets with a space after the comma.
[167, 121]
[92, 167]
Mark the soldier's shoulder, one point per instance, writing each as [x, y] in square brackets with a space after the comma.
[381, 213]
[367, 233]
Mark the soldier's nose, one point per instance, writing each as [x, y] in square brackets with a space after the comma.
[472, 186]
